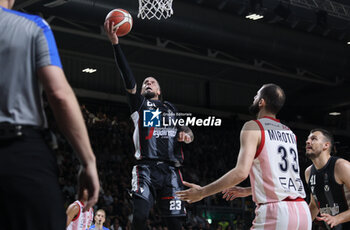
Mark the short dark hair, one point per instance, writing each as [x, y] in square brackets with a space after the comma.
[160, 97]
[274, 97]
[328, 135]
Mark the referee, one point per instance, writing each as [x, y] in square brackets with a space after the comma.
[30, 196]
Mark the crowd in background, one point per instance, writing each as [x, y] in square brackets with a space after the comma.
[213, 152]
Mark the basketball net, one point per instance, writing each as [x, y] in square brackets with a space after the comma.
[155, 9]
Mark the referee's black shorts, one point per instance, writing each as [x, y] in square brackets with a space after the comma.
[30, 196]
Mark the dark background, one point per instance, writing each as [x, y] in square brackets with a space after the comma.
[209, 60]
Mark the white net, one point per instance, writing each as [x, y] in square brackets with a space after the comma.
[155, 9]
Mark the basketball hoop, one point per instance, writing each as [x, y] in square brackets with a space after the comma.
[155, 9]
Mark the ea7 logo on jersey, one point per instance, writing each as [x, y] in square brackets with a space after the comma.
[151, 118]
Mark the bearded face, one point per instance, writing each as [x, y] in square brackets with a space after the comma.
[312, 154]
[150, 88]
[148, 94]
[254, 108]
[315, 144]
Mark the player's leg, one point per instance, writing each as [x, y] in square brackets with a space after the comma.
[303, 214]
[31, 198]
[173, 209]
[141, 211]
[293, 215]
[283, 215]
[142, 195]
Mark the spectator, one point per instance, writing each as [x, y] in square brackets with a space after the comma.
[100, 218]
[116, 225]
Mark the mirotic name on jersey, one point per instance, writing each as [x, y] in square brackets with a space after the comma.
[282, 136]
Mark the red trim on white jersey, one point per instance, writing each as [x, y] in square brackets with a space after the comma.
[293, 199]
[275, 119]
[262, 142]
[77, 216]
[271, 175]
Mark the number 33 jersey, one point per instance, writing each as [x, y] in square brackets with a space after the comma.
[275, 173]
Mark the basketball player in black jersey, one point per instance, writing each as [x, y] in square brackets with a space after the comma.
[156, 176]
[327, 178]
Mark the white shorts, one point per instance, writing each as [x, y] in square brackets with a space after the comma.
[283, 215]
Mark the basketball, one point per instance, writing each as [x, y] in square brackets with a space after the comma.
[121, 19]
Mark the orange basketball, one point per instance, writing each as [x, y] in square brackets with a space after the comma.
[121, 19]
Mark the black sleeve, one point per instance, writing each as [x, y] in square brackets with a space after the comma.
[123, 66]
[135, 101]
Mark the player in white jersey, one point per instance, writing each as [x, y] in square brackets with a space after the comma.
[268, 154]
[77, 219]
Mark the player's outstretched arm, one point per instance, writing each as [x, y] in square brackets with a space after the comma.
[72, 211]
[341, 174]
[250, 138]
[111, 33]
[123, 66]
[235, 192]
[70, 120]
